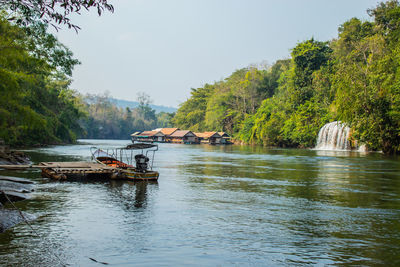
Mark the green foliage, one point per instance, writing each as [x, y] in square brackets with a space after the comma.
[268, 123]
[53, 12]
[354, 78]
[302, 127]
[308, 57]
[106, 121]
[164, 119]
[191, 113]
[226, 104]
[246, 132]
[36, 104]
[144, 109]
[368, 75]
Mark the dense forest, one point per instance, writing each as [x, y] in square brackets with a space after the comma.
[37, 105]
[354, 78]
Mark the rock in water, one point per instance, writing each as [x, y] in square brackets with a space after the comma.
[10, 218]
[15, 179]
[13, 189]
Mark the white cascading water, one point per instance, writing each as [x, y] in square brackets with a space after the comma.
[334, 136]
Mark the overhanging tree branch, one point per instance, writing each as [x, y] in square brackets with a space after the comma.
[53, 12]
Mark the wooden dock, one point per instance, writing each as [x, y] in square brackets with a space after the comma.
[62, 170]
[75, 169]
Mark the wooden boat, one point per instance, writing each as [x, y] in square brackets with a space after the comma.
[123, 159]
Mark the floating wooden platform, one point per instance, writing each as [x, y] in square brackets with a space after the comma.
[61, 170]
[65, 170]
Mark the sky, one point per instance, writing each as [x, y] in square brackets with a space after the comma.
[166, 47]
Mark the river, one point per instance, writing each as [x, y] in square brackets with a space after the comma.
[215, 206]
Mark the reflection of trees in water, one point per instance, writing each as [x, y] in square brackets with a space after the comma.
[131, 194]
[348, 206]
[216, 174]
[354, 179]
[249, 168]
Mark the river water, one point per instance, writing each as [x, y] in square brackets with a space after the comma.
[215, 206]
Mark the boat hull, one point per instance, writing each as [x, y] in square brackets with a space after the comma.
[131, 174]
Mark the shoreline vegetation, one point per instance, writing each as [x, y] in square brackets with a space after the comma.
[353, 78]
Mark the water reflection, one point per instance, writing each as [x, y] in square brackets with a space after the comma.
[319, 196]
[131, 194]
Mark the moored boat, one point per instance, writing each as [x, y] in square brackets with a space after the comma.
[123, 160]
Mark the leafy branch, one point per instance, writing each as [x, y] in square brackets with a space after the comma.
[52, 12]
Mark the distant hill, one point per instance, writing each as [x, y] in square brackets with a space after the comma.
[133, 104]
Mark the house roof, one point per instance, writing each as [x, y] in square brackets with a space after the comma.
[149, 133]
[201, 135]
[180, 133]
[223, 134]
[207, 135]
[210, 134]
[168, 131]
[135, 133]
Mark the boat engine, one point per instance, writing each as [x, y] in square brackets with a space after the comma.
[141, 162]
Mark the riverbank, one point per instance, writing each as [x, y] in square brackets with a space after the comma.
[9, 156]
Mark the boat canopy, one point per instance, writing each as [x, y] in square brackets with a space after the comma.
[140, 146]
[101, 154]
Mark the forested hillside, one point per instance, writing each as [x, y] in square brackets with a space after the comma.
[134, 104]
[353, 78]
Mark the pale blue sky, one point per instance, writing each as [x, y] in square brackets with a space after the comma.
[166, 47]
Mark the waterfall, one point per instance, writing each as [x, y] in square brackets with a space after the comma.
[334, 136]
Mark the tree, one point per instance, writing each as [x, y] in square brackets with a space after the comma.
[36, 104]
[53, 12]
[308, 57]
[354, 78]
[144, 108]
[368, 74]
[164, 119]
[191, 114]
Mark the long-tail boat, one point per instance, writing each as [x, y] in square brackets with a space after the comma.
[129, 163]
